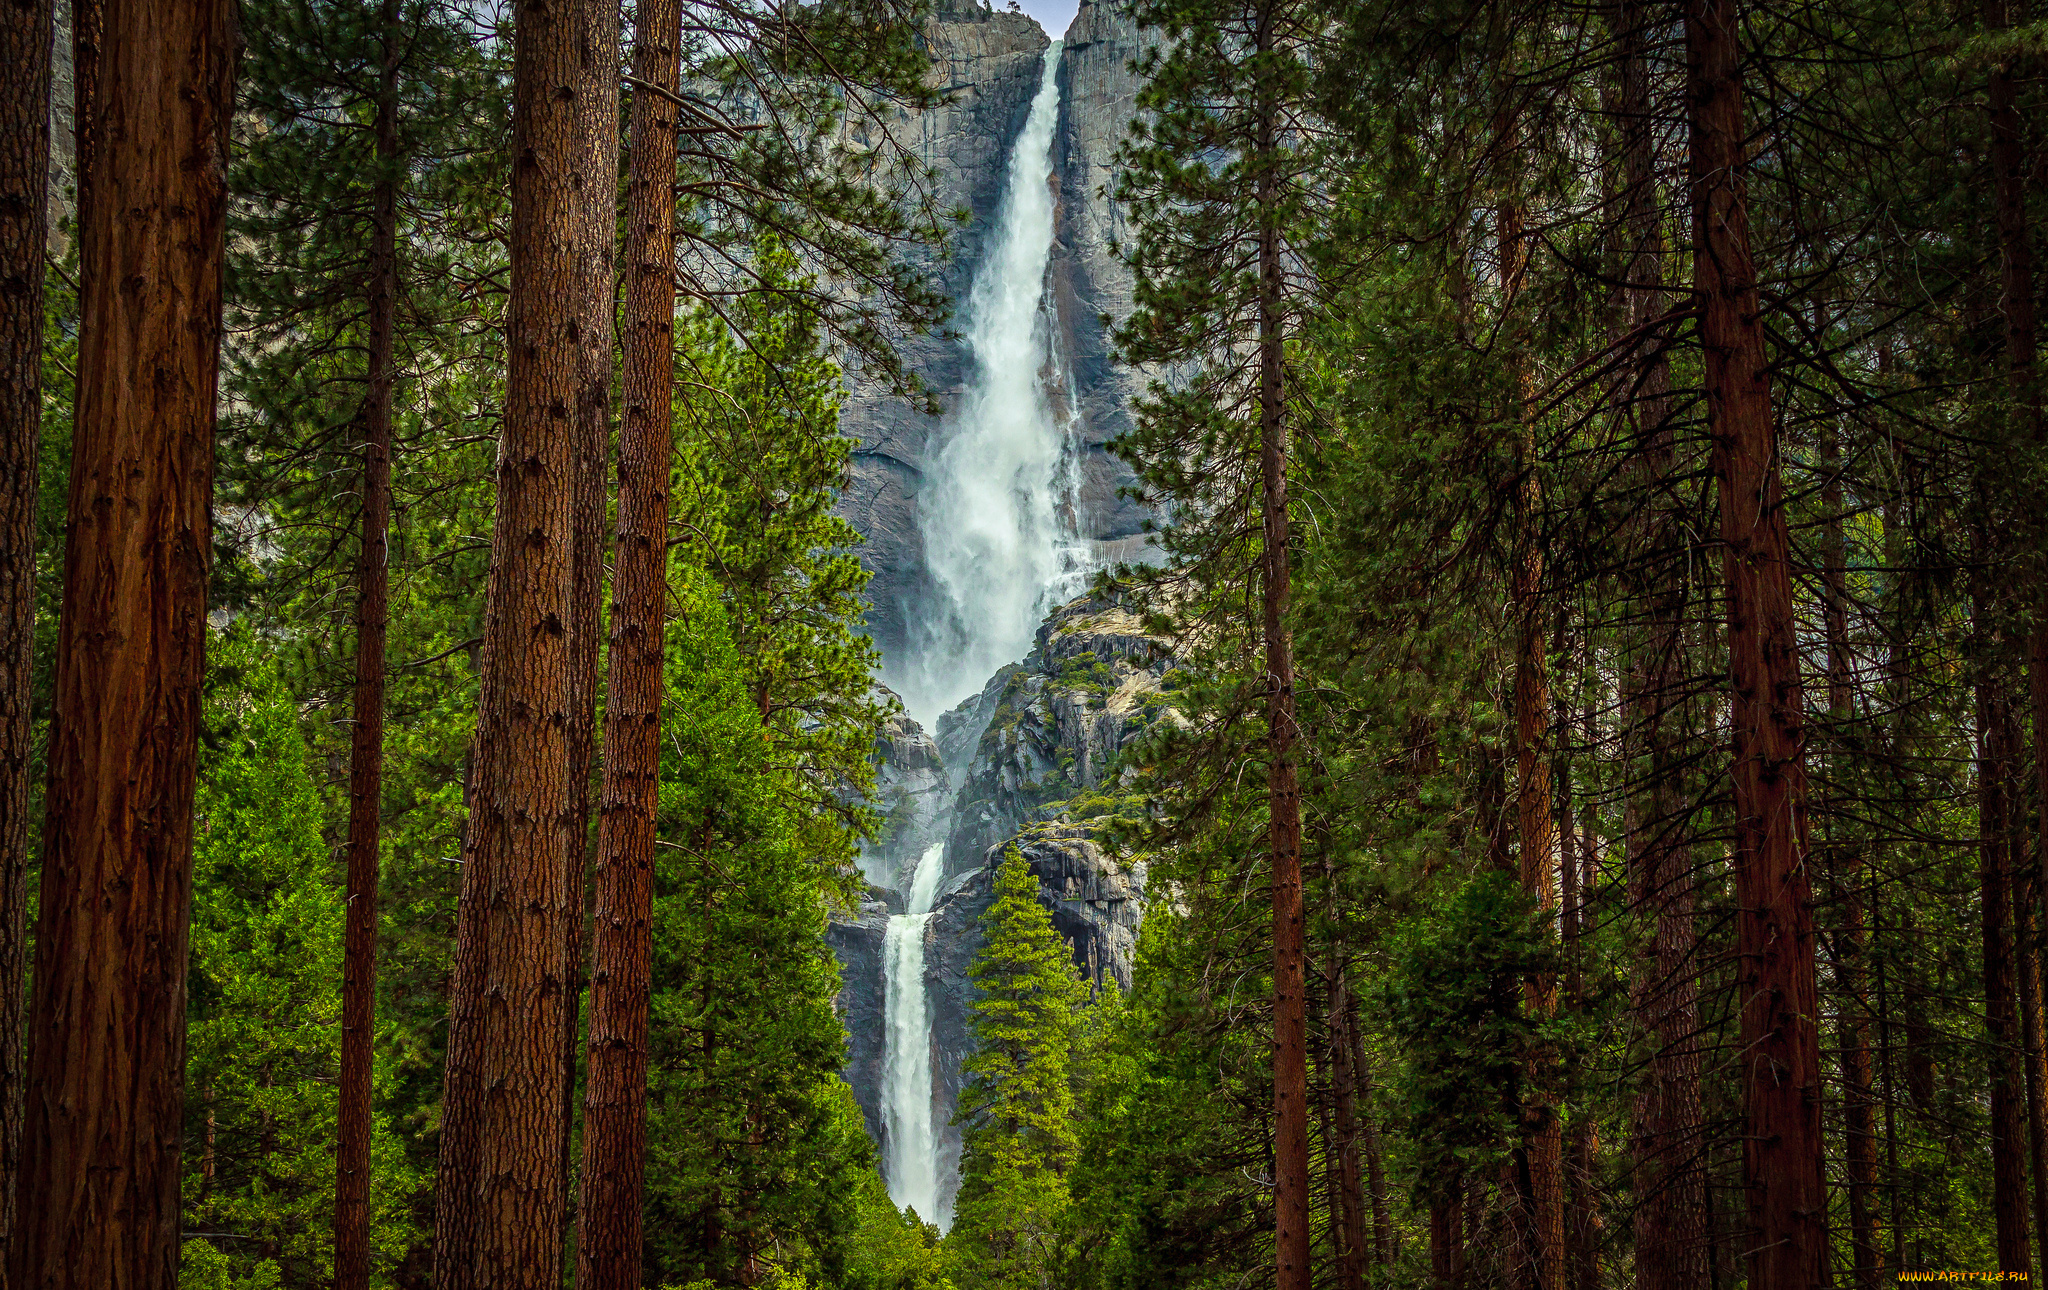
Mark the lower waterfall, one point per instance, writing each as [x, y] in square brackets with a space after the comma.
[913, 1173]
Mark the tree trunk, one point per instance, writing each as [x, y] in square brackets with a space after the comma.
[2016, 306]
[1777, 993]
[1859, 1140]
[1997, 746]
[1582, 1145]
[1666, 1145]
[105, 1095]
[609, 1241]
[1348, 1214]
[500, 1190]
[366, 739]
[1446, 1243]
[1290, 1005]
[1542, 1144]
[26, 33]
[597, 127]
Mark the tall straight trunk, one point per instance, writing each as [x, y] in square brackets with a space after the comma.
[1347, 1214]
[1446, 1241]
[2027, 970]
[105, 1095]
[1375, 1161]
[608, 1237]
[26, 33]
[500, 1190]
[597, 129]
[366, 739]
[1859, 1139]
[1665, 1150]
[1997, 745]
[1290, 1004]
[2016, 307]
[1783, 1171]
[1542, 1144]
[1582, 1145]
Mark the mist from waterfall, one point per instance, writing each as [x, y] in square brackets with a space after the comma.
[997, 513]
[913, 1159]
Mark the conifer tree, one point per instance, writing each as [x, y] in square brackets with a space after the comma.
[1017, 1105]
[107, 1023]
[25, 47]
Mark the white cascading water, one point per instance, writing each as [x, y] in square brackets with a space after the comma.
[998, 513]
[913, 1172]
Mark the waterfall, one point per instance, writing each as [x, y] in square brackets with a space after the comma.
[913, 1173]
[998, 511]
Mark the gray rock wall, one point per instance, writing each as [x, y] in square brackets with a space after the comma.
[992, 62]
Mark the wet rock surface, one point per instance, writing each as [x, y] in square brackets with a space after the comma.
[1040, 738]
[991, 62]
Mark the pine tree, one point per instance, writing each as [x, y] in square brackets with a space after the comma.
[25, 46]
[1017, 1105]
[107, 1024]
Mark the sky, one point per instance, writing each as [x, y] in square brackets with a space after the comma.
[1053, 15]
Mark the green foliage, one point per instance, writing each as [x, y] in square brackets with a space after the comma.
[264, 1019]
[1017, 1106]
[1455, 1002]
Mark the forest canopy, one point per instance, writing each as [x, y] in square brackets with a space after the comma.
[1551, 797]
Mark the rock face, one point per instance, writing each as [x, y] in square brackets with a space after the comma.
[992, 63]
[1008, 764]
[914, 796]
[1093, 682]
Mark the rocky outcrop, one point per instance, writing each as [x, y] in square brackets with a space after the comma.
[913, 796]
[855, 939]
[1093, 682]
[1091, 286]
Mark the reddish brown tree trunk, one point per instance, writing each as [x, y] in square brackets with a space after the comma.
[1998, 744]
[1446, 1243]
[1290, 1004]
[1542, 1145]
[26, 33]
[2016, 306]
[608, 1243]
[1666, 1147]
[1779, 1033]
[1858, 1103]
[105, 1096]
[366, 738]
[597, 126]
[1348, 1213]
[500, 1189]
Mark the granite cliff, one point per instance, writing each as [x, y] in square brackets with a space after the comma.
[991, 62]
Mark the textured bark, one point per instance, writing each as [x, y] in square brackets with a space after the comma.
[105, 1096]
[1446, 1244]
[1859, 1141]
[366, 736]
[1348, 1211]
[1779, 1037]
[2016, 307]
[500, 1190]
[597, 130]
[1542, 1145]
[1582, 1144]
[1667, 1118]
[609, 1241]
[1290, 1004]
[1997, 746]
[26, 32]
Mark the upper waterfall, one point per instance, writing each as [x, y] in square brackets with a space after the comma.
[997, 513]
